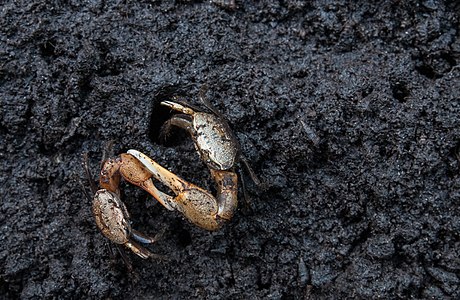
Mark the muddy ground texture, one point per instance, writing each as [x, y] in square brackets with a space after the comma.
[350, 114]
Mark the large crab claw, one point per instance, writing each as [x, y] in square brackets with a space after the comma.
[134, 172]
[197, 205]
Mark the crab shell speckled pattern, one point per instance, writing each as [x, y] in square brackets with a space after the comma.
[215, 141]
[111, 216]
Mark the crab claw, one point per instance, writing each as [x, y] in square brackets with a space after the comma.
[178, 107]
[134, 172]
[196, 204]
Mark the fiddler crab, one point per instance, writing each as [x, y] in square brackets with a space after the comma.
[112, 217]
[218, 148]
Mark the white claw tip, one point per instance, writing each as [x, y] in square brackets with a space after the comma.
[140, 157]
[134, 153]
[145, 160]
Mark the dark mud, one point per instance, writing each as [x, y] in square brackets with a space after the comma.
[350, 113]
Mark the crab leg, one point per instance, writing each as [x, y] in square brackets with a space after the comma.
[143, 238]
[227, 192]
[138, 249]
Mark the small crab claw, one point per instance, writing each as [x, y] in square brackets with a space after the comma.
[178, 107]
[196, 204]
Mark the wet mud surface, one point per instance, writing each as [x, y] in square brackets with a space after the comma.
[350, 115]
